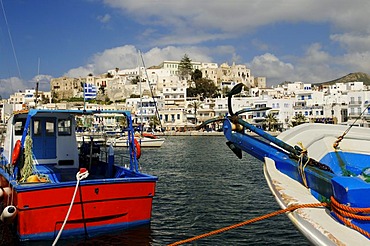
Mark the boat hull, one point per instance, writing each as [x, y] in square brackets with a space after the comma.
[144, 142]
[100, 207]
[344, 181]
[316, 224]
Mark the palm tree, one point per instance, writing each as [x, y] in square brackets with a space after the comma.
[271, 121]
[122, 122]
[154, 122]
[195, 105]
[299, 119]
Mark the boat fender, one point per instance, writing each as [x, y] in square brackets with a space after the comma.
[16, 151]
[138, 148]
[5, 192]
[8, 214]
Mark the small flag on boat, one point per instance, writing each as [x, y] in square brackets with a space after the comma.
[89, 91]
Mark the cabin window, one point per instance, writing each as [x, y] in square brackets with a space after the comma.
[19, 127]
[36, 128]
[64, 127]
[49, 127]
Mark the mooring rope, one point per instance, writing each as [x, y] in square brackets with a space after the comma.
[79, 176]
[266, 216]
[343, 213]
[346, 214]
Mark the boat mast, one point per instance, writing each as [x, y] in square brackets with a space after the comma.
[37, 83]
[151, 92]
[141, 98]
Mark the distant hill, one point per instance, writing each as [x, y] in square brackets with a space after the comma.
[362, 77]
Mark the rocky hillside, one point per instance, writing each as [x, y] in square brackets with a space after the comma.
[363, 77]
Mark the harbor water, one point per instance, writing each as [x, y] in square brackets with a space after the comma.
[202, 187]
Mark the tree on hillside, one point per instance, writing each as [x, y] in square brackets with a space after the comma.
[197, 74]
[202, 87]
[185, 67]
[206, 88]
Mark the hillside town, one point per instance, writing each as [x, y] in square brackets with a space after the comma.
[158, 98]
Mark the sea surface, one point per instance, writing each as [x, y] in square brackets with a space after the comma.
[203, 187]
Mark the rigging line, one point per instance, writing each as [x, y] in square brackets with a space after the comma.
[363, 111]
[340, 138]
[11, 40]
[151, 92]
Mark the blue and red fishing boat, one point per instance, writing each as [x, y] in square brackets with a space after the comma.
[52, 189]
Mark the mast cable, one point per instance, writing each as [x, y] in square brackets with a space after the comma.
[151, 91]
[340, 138]
[11, 40]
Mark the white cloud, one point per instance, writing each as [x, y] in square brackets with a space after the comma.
[104, 18]
[220, 18]
[316, 65]
[178, 27]
[10, 85]
[313, 67]
[270, 66]
[126, 57]
[355, 62]
[353, 42]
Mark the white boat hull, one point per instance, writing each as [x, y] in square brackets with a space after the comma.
[144, 142]
[316, 224]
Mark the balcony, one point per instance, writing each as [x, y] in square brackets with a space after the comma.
[355, 103]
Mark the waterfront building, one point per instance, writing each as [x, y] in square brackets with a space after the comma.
[175, 119]
[143, 109]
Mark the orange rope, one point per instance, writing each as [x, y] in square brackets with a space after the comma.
[342, 212]
[266, 216]
[335, 203]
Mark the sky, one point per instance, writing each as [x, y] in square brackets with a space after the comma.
[283, 40]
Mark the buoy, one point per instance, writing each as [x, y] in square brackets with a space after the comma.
[8, 214]
[110, 161]
[138, 148]
[33, 179]
[16, 151]
[5, 192]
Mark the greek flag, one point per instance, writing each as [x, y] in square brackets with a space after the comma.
[89, 91]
